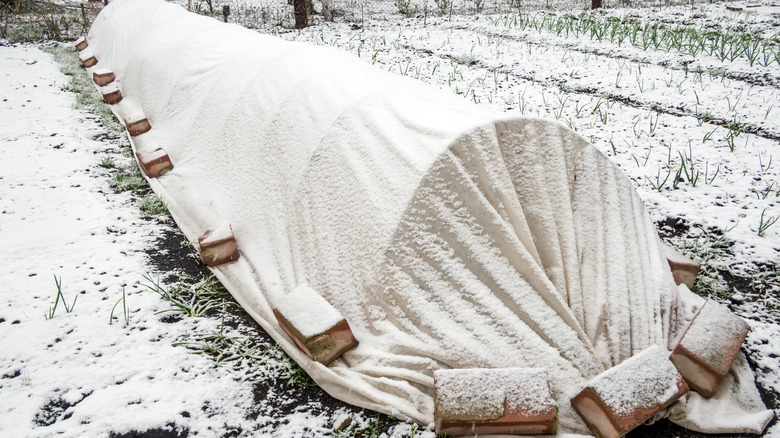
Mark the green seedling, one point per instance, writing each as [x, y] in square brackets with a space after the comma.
[125, 312]
[59, 297]
[766, 223]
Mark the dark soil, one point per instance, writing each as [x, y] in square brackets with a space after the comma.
[171, 255]
[153, 433]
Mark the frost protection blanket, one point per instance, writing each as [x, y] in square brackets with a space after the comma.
[448, 236]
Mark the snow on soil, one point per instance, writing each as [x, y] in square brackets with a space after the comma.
[650, 111]
[74, 374]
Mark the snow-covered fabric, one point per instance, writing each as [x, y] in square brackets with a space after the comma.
[448, 236]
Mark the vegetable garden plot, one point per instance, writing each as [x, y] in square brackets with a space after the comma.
[448, 236]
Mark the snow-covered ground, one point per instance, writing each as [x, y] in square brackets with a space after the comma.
[655, 112]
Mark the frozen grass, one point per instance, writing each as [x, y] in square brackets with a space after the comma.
[152, 207]
[190, 297]
[87, 97]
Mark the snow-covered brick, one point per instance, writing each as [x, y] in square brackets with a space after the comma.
[708, 347]
[512, 401]
[137, 124]
[103, 76]
[316, 327]
[341, 422]
[111, 94]
[218, 246]
[154, 163]
[683, 269]
[87, 58]
[623, 397]
[81, 43]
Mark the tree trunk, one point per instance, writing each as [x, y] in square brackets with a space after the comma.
[595, 4]
[301, 17]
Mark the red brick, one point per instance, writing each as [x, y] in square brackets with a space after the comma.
[314, 325]
[137, 124]
[508, 401]
[218, 246]
[81, 44]
[683, 269]
[87, 58]
[625, 396]
[325, 348]
[154, 163]
[103, 77]
[708, 347]
[112, 97]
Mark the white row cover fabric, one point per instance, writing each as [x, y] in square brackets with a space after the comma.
[448, 236]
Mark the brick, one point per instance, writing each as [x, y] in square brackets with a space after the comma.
[87, 58]
[103, 77]
[504, 401]
[111, 94]
[137, 124]
[154, 163]
[218, 246]
[81, 43]
[625, 396]
[708, 347]
[683, 269]
[314, 325]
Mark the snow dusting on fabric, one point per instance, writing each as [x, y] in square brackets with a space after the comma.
[448, 236]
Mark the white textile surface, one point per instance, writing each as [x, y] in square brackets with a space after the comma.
[448, 236]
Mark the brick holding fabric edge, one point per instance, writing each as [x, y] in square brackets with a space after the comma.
[509, 401]
[626, 395]
[315, 326]
[708, 347]
[218, 246]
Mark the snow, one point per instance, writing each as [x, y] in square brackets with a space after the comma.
[713, 334]
[308, 312]
[220, 233]
[75, 374]
[645, 381]
[675, 256]
[110, 88]
[85, 54]
[444, 233]
[216, 235]
[481, 394]
[135, 117]
[528, 69]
